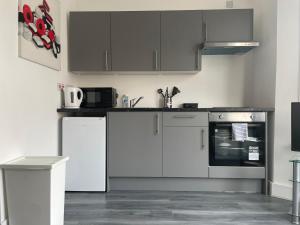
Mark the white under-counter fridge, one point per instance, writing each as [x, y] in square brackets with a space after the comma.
[84, 141]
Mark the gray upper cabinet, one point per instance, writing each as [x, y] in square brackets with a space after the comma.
[135, 41]
[135, 144]
[228, 25]
[181, 37]
[89, 41]
[155, 41]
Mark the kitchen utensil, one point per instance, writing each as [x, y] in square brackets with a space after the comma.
[160, 91]
[73, 97]
[175, 91]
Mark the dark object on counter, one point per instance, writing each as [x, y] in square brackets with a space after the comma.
[99, 97]
[167, 97]
[190, 105]
[295, 126]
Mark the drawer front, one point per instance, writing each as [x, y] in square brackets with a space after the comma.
[189, 119]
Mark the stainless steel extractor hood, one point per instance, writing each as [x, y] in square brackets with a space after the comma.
[227, 48]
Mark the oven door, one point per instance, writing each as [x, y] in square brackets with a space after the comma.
[224, 151]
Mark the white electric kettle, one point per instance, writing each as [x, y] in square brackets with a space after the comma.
[73, 97]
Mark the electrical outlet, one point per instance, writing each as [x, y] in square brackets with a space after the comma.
[229, 4]
[60, 86]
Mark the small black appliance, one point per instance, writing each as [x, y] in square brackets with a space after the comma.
[99, 97]
[190, 105]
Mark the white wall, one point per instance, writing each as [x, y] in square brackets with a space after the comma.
[287, 91]
[29, 96]
[220, 83]
[261, 91]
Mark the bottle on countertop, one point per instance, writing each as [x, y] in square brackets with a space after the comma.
[125, 101]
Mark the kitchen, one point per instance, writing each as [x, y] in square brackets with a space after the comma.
[227, 81]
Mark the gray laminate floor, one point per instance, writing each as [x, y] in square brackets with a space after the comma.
[174, 208]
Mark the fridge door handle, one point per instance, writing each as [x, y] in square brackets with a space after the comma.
[202, 139]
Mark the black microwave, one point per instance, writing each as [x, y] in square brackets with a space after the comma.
[101, 97]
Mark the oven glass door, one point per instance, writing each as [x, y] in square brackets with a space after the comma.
[225, 150]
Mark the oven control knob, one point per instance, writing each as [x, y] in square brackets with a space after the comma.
[252, 117]
[221, 116]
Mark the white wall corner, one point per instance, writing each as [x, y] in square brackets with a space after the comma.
[281, 191]
[4, 222]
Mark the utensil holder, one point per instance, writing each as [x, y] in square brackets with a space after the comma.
[168, 102]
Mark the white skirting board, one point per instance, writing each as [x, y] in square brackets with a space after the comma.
[281, 191]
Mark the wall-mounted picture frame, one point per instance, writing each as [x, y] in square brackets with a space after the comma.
[39, 32]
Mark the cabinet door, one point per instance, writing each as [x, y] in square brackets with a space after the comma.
[89, 41]
[181, 37]
[229, 25]
[135, 144]
[135, 38]
[185, 152]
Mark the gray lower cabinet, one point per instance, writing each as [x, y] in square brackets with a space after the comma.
[181, 37]
[89, 41]
[185, 152]
[135, 144]
[228, 25]
[135, 41]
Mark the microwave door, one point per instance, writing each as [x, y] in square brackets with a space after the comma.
[92, 99]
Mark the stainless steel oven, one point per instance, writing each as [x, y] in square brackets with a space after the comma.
[237, 139]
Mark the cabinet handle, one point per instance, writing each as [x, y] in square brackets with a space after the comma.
[106, 60]
[156, 59]
[157, 124]
[198, 67]
[184, 117]
[205, 31]
[202, 139]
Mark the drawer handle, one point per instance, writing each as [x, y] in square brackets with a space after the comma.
[184, 117]
[202, 139]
